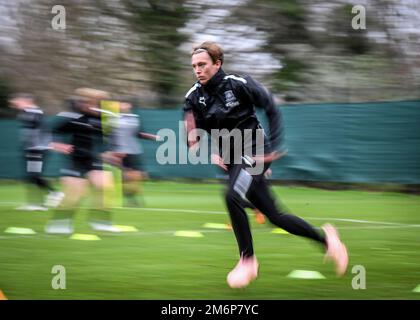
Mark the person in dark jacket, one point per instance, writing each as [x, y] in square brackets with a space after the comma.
[224, 106]
[34, 137]
[79, 134]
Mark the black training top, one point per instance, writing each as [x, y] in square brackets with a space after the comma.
[85, 131]
[229, 102]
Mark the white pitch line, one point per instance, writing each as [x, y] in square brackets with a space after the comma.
[381, 227]
[250, 214]
[4, 204]
[365, 221]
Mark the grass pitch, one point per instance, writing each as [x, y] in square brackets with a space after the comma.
[381, 230]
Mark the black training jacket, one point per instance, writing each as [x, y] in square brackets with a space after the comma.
[229, 102]
[85, 132]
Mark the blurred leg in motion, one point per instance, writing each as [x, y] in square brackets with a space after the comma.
[37, 186]
[99, 215]
[255, 189]
[62, 220]
[132, 188]
[260, 195]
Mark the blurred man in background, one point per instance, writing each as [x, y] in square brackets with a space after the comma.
[221, 101]
[125, 146]
[35, 138]
[84, 128]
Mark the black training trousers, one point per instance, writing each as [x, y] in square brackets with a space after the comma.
[256, 190]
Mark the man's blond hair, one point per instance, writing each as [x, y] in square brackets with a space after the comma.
[89, 93]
